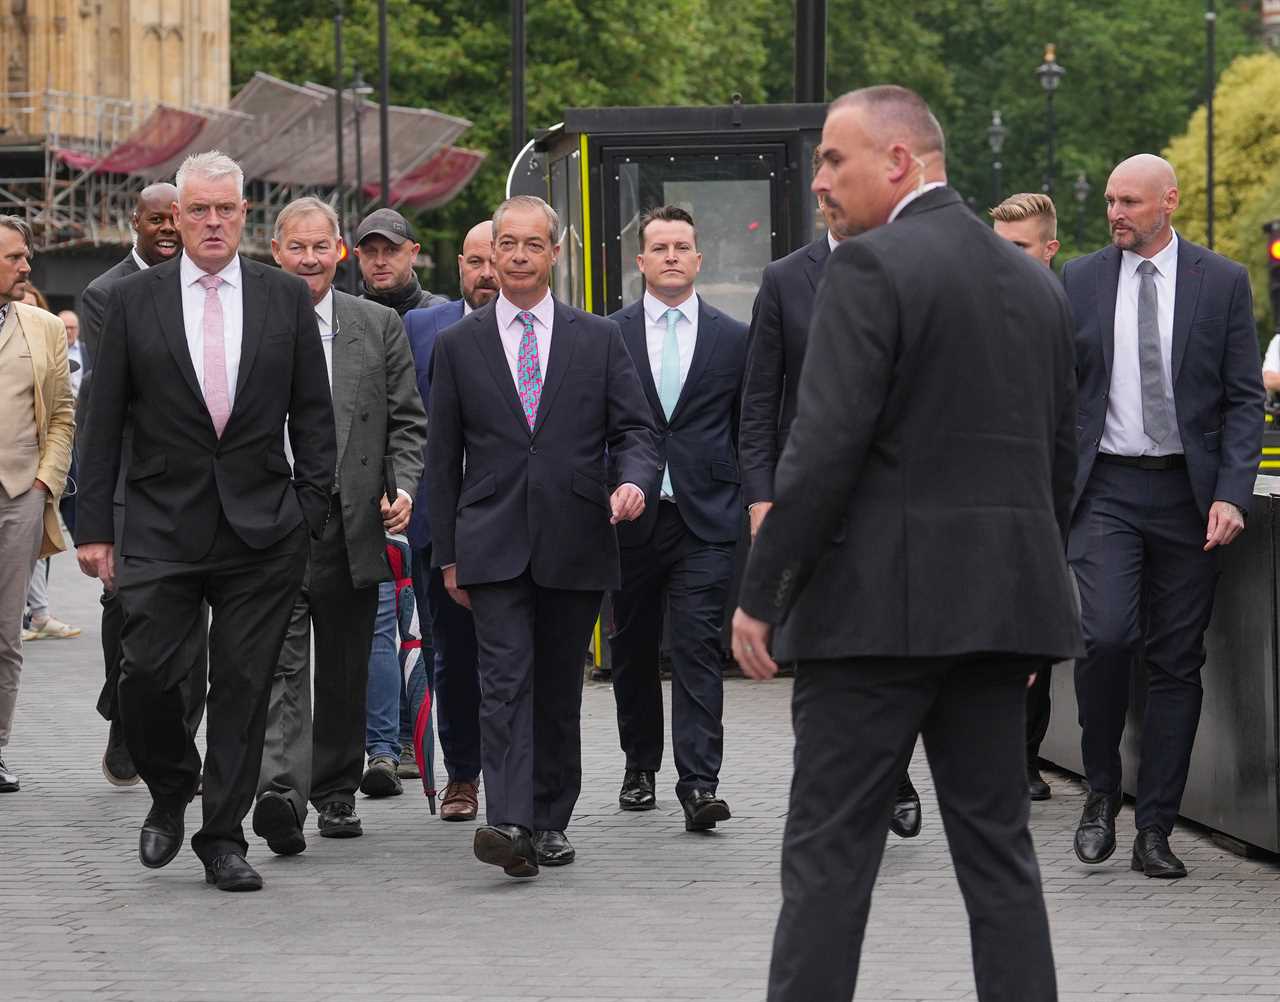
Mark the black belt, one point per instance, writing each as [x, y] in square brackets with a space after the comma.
[1175, 462]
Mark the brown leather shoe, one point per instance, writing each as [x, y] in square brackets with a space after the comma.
[460, 802]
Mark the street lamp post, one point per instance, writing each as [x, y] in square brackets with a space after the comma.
[996, 135]
[1050, 74]
[359, 91]
[1082, 188]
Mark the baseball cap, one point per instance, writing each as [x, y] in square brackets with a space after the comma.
[387, 223]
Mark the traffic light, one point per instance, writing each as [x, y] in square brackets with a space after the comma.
[1272, 231]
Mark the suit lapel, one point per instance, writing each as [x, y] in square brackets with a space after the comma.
[703, 348]
[489, 343]
[1108, 286]
[1186, 293]
[168, 306]
[348, 365]
[816, 260]
[564, 338]
[636, 336]
[254, 309]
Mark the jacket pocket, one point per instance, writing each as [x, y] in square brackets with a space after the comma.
[591, 489]
[276, 463]
[141, 469]
[725, 472]
[1213, 440]
[481, 489]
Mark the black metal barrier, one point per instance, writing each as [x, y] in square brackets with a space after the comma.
[1234, 783]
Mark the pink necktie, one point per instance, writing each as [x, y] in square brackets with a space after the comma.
[216, 397]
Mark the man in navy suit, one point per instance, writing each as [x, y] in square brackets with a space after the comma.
[453, 632]
[691, 359]
[1169, 429]
[530, 402]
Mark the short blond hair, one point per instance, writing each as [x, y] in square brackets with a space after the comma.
[1029, 205]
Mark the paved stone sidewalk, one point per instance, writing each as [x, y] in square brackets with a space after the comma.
[647, 913]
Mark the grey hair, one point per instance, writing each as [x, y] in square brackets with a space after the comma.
[305, 206]
[22, 228]
[528, 202]
[213, 166]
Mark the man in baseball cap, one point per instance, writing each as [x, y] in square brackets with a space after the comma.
[386, 250]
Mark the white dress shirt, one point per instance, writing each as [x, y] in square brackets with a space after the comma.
[231, 295]
[922, 190]
[137, 259]
[1272, 362]
[655, 332]
[832, 242]
[1122, 435]
[466, 308]
[324, 318]
[74, 354]
[511, 330]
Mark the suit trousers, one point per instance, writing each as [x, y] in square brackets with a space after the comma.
[1146, 588]
[856, 723]
[21, 532]
[196, 647]
[693, 576]
[251, 593]
[457, 678]
[1039, 710]
[320, 757]
[532, 644]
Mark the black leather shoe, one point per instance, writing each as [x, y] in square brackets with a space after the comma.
[232, 872]
[637, 791]
[117, 763]
[160, 838]
[507, 846]
[275, 820]
[1036, 785]
[553, 849]
[8, 779]
[702, 809]
[382, 778]
[905, 819]
[1096, 833]
[1152, 855]
[338, 820]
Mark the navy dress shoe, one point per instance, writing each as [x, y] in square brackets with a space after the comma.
[1096, 834]
[553, 849]
[702, 809]
[160, 838]
[905, 819]
[507, 846]
[232, 872]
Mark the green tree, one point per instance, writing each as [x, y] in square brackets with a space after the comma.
[1246, 179]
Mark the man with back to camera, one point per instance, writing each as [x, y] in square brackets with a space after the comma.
[156, 240]
[917, 579]
[207, 354]
[532, 393]
[690, 357]
[1170, 430]
[453, 631]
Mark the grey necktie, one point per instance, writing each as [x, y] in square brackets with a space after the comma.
[1157, 415]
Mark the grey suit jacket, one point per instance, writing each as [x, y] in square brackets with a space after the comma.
[377, 413]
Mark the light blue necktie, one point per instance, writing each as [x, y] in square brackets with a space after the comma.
[669, 383]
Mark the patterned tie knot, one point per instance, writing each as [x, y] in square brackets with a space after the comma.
[1147, 268]
[210, 282]
[526, 321]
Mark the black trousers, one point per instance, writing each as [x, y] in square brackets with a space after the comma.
[1146, 587]
[856, 723]
[532, 644]
[693, 576]
[457, 677]
[251, 593]
[1039, 708]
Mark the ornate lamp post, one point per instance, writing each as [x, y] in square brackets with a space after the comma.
[996, 135]
[1050, 74]
[1082, 188]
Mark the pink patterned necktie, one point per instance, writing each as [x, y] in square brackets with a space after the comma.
[528, 372]
[216, 395]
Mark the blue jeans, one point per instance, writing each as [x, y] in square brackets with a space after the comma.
[382, 731]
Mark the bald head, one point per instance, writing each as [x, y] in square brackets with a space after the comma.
[893, 114]
[157, 237]
[1142, 196]
[161, 194]
[475, 266]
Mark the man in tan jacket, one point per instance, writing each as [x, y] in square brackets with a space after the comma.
[37, 418]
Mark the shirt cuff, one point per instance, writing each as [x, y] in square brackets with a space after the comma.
[628, 483]
[405, 494]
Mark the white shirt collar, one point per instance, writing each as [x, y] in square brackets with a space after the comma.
[466, 308]
[655, 308]
[832, 242]
[1166, 261]
[324, 310]
[192, 272]
[922, 190]
[137, 259]
[544, 312]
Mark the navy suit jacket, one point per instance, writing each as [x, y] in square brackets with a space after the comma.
[1217, 379]
[423, 327]
[699, 442]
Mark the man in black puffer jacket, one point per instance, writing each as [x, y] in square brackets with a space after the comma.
[386, 250]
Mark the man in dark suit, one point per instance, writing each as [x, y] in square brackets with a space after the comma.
[531, 393]
[776, 346]
[378, 415]
[155, 241]
[915, 575]
[1170, 429]
[453, 633]
[690, 357]
[207, 355]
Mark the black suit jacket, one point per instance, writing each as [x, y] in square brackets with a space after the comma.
[924, 494]
[540, 499]
[1217, 380]
[93, 302]
[181, 475]
[700, 440]
[779, 331]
